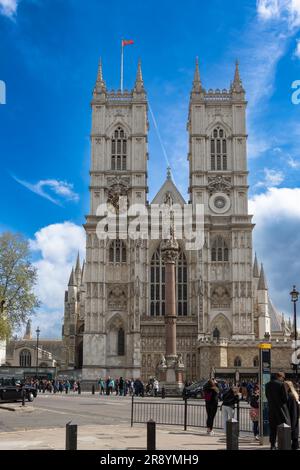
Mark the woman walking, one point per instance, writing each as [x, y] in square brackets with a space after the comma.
[293, 407]
[211, 395]
[254, 412]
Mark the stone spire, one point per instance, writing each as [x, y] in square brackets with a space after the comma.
[237, 85]
[28, 334]
[169, 173]
[72, 281]
[100, 83]
[78, 271]
[197, 85]
[255, 267]
[83, 274]
[139, 83]
[262, 283]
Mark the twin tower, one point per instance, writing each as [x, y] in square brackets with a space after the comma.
[115, 303]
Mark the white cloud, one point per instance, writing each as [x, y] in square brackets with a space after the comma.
[297, 50]
[277, 218]
[275, 204]
[56, 247]
[60, 188]
[272, 178]
[268, 9]
[8, 7]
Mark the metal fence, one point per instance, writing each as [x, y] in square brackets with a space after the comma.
[185, 413]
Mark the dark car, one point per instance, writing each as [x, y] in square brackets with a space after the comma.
[195, 390]
[12, 390]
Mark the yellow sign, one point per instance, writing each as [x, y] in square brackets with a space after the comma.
[265, 346]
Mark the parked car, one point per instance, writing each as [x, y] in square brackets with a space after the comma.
[195, 390]
[12, 390]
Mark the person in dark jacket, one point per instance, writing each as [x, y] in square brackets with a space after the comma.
[293, 407]
[211, 394]
[230, 398]
[277, 400]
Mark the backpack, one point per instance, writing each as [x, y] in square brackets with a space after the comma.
[207, 395]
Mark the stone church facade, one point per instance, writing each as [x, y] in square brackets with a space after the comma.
[114, 304]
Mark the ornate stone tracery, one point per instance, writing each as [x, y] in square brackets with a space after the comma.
[219, 184]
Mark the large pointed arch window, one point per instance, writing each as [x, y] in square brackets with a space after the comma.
[119, 150]
[157, 285]
[117, 252]
[219, 251]
[218, 150]
[25, 358]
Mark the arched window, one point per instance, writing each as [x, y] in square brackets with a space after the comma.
[25, 358]
[119, 150]
[218, 150]
[219, 251]
[255, 362]
[157, 287]
[117, 252]
[237, 362]
[121, 342]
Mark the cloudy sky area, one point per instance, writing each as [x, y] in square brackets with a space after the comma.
[49, 53]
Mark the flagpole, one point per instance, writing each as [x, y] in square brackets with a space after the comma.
[122, 65]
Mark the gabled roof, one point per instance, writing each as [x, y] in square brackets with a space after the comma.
[168, 187]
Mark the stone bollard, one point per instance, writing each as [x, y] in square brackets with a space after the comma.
[163, 392]
[284, 437]
[93, 390]
[232, 434]
[151, 435]
[71, 436]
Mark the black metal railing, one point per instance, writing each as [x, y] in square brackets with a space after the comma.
[183, 413]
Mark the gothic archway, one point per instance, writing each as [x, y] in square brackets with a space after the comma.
[222, 324]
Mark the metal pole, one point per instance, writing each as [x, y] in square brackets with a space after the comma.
[122, 65]
[37, 353]
[296, 338]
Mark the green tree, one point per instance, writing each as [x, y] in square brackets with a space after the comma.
[17, 280]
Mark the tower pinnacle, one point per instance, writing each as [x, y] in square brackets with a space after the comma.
[139, 83]
[197, 85]
[237, 85]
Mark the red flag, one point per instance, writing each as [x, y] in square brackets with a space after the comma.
[126, 42]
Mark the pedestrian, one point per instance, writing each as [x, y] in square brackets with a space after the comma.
[230, 398]
[254, 412]
[211, 397]
[277, 397]
[293, 407]
[156, 387]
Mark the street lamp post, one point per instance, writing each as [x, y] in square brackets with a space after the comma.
[294, 297]
[37, 349]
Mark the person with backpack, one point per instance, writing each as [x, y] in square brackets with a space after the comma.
[211, 396]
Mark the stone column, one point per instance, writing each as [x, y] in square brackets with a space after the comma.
[171, 367]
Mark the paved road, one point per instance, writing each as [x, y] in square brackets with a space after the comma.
[49, 411]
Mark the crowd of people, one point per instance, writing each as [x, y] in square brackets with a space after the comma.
[283, 405]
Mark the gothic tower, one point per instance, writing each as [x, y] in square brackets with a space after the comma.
[114, 270]
[218, 180]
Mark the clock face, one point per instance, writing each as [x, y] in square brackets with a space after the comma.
[219, 203]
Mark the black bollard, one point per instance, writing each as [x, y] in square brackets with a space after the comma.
[163, 392]
[284, 437]
[93, 390]
[71, 436]
[232, 434]
[151, 435]
[23, 396]
[185, 412]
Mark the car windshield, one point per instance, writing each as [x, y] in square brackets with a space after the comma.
[197, 385]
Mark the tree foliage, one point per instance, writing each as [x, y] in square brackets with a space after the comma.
[17, 280]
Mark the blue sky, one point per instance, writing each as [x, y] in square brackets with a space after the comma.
[49, 52]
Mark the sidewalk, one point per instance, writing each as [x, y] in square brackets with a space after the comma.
[121, 437]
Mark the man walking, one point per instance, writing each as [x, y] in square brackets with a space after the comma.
[277, 400]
